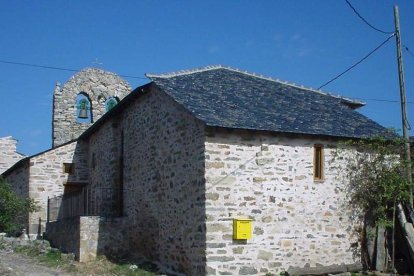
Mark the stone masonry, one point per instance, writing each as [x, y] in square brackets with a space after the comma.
[182, 183]
[98, 86]
[42, 176]
[8, 154]
[163, 183]
[297, 222]
[174, 184]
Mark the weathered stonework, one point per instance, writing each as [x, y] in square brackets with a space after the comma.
[297, 222]
[8, 154]
[175, 185]
[163, 180]
[98, 86]
[90, 236]
[42, 176]
[170, 187]
[64, 235]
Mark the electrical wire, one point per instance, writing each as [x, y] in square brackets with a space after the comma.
[358, 62]
[126, 76]
[364, 20]
[381, 100]
[58, 68]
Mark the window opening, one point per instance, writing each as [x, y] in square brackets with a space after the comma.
[83, 109]
[111, 103]
[318, 162]
[69, 168]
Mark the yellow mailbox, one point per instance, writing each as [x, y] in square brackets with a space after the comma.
[242, 229]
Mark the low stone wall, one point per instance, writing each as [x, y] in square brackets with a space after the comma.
[89, 236]
[64, 234]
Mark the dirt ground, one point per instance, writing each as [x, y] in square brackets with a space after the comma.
[14, 264]
[23, 257]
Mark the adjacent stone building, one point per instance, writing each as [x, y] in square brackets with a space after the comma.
[164, 173]
[8, 153]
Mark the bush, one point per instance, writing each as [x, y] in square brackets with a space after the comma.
[376, 185]
[13, 209]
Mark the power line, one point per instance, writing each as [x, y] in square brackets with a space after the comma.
[58, 68]
[357, 63]
[365, 21]
[381, 100]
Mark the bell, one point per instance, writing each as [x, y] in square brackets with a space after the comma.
[83, 113]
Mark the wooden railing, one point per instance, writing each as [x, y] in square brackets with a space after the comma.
[104, 202]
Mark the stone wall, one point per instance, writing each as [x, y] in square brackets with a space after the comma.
[162, 179]
[297, 222]
[8, 154]
[98, 86]
[64, 234]
[42, 176]
[48, 179]
[19, 179]
[89, 236]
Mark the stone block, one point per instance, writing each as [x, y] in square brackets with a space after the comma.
[214, 165]
[264, 161]
[238, 250]
[247, 270]
[220, 258]
[212, 196]
[259, 179]
[265, 255]
[287, 243]
[216, 245]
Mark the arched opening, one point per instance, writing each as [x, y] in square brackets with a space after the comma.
[111, 103]
[83, 108]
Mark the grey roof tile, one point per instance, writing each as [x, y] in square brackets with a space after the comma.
[229, 98]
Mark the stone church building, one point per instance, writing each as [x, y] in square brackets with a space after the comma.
[210, 171]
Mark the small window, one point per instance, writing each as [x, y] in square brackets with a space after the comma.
[318, 161]
[111, 103]
[69, 168]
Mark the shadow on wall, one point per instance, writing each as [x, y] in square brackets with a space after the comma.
[163, 198]
[158, 229]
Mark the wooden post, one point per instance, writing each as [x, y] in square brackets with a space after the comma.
[381, 258]
[407, 156]
[48, 210]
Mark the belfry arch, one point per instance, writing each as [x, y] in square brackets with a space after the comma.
[82, 100]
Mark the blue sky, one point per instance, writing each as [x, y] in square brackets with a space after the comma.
[300, 41]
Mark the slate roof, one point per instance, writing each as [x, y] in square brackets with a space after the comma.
[226, 97]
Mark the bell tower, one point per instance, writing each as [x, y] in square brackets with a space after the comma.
[82, 100]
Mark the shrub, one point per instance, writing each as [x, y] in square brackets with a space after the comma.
[13, 209]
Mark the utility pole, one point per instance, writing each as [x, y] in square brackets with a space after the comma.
[407, 156]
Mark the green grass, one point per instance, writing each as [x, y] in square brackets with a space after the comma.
[129, 270]
[52, 258]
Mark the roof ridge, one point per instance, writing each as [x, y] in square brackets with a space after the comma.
[185, 72]
[218, 66]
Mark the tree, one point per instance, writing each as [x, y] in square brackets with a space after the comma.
[376, 183]
[13, 209]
